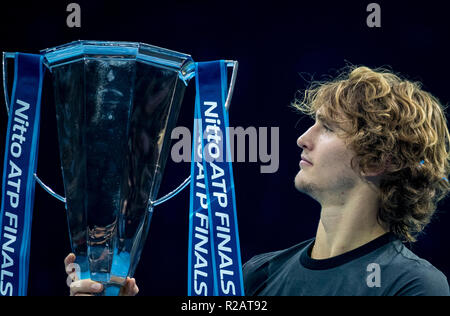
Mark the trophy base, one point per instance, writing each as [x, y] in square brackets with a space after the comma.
[112, 281]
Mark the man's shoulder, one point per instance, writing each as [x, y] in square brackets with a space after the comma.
[259, 268]
[419, 276]
[261, 259]
[411, 263]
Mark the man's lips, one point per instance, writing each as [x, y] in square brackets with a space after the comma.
[305, 161]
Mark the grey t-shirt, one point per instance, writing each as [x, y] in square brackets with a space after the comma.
[383, 266]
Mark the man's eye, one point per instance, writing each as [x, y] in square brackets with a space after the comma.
[327, 128]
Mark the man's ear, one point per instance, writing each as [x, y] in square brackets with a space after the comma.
[373, 177]
[375, 172]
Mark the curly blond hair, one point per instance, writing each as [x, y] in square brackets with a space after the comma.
[393, 126]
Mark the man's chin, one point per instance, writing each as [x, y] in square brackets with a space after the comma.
[304, 187]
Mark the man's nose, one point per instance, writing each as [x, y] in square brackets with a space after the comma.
[304, 140]
[300, 141]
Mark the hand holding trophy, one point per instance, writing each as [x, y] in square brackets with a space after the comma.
[87, 287]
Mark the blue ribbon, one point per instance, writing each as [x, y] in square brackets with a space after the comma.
[215, 266]
[19, 166]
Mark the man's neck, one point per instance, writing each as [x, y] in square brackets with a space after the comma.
[345, 227]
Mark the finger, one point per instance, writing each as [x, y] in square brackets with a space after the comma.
[128, 289]
[125, 288]
[71, 268]
[72, 277]
[135, 290]
[132, 287]
[85, 286]
[69, 259]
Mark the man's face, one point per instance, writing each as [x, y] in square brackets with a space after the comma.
[325, 168]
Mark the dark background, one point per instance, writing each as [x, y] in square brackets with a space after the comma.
[280, 46]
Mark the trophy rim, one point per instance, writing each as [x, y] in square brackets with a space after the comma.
[142, 52]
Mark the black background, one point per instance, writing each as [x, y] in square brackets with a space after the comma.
[280, 46]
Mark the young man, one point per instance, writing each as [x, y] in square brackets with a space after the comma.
[377, 160]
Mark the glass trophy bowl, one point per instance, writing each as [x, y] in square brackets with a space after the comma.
[116, 105]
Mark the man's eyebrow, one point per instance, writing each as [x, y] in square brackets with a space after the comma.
[324, 120]
[321, 118]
